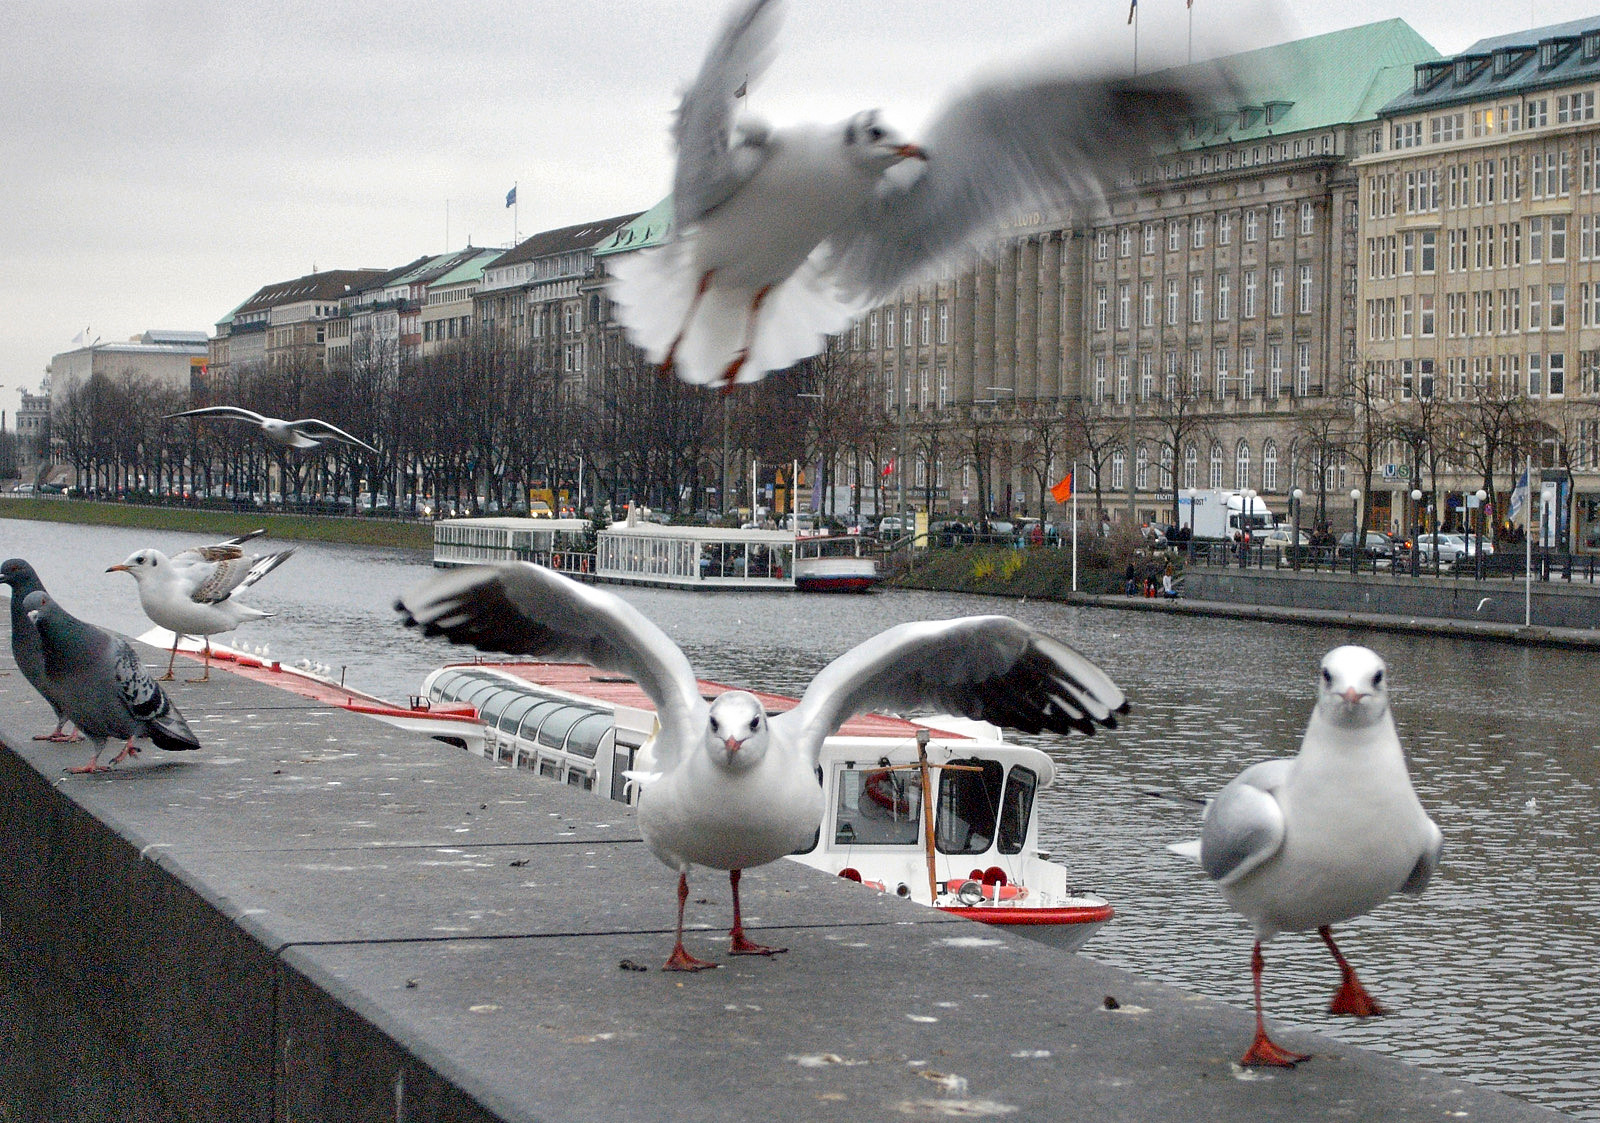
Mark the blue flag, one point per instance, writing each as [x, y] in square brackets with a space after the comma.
[511, 197]
[1519, 497]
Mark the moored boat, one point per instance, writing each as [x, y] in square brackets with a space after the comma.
[833, 564]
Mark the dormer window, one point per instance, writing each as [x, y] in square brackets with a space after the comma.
[1277, 110]
[1250, 114]
[1591, 46]
[1507, 59]
[1429, 75]
[1468, 67]
[1552, 51]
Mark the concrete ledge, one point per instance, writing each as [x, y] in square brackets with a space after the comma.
[317, 918]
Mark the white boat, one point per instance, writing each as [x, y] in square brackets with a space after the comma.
[558, 543]
[833, 564]
[940, 812]
[695, 557]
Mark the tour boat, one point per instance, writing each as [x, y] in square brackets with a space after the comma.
[833, 564]
[939, 811]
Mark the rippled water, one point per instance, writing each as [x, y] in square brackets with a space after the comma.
[1493, 973]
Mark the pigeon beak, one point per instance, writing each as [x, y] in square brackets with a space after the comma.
[911, 152]
[1352, 695]
[118, 569]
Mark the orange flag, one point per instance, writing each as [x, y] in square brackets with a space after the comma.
[1063, 490]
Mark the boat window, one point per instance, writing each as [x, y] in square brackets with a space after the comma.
[553, 733]
[478, 691]
[511, 716]
[533, 718]
[878, 807]
[969, 804]
[492, 705]
[449, 685]
[584, 738]
[1016, 808]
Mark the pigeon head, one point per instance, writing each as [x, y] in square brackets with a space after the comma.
[1354, 686]
[141, 564]
[736, 730]
[19, 575]
[873, 145]
[35, 603]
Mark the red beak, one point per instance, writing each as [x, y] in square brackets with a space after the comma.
[911, 152]
[1352, 696]
[733, 744]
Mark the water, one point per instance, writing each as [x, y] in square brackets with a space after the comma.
[1492, 973]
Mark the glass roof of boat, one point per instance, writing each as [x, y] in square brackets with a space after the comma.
[511, 705]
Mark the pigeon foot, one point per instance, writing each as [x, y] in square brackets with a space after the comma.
[681, 960]
[89, 769]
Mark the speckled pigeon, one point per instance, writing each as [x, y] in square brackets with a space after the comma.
[25, 644]
[104, 688]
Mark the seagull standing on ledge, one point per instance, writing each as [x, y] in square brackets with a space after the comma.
[781, 236]
[191, 593]
[732, 786]
[1325, 837]
[308, 432]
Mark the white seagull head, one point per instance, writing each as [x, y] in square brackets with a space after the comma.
[736, 730]
[1354, 687]
[141, 565]
[873, 146]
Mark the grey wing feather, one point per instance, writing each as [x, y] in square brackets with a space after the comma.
[235, 413]
[1243, 826]
[1001, 151]
[991, 668]
[707, 172]
[1427, 863]
[524, 609]
[311, 426]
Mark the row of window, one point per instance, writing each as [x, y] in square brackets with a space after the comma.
[1157, 474]
[439, 331]
[1220, 307]
[930, 320]
[1467, 377]
[1483, 312]
[918, 395]
[1150, 238]
[1190, 376]
[1510, 117]
[1239, 156]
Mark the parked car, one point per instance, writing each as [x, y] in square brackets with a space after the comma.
[1445, 548]
[1377, 545]
[1282, 537]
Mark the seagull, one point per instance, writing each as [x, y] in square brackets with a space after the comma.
[782, 236]
[308, 432]
[1325, 837]
[25, 647]
[104, 687]
[191, 593]
[729, 786]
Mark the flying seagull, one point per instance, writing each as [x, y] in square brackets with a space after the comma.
[25, 647]
[1325, 837]
[191, 593]
[781, 236]
[308, 432]
[104, 688]
[730, 787]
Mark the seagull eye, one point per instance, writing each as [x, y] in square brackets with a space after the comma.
[1377, 678]
[874, 134]
[713, 725]
[755, 723]
[1327, 676]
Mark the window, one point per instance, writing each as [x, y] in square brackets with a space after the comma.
[1241, 465]
[1102, 245]
[1535, 240]
[1428, 258]
[1220, 363]
[1016, 807]
[1225, 229]
[1197, 373]
[1099, 378]
[1124, 305]
[1141, 468]
[1149, 246]
[1197, 232]
[1224, 289]
[1278, 220]
[1197, 300]
[1269, 465]
[1275, 371]
[1252, 225]
[1174, 236]
[1407, 319]
[944, 385]
[1124, 379]
[1557, 245]
[1172, 301]
[872, 331]
[1247, 374]
[1425, 314]
[888, 328]
[1307, 216]
[1102, 307]
[1535, 307]
[1215, 478]
[1250, 307]
[1558, 374]
[1147, 304]
[1275, 291]
[1302, 371]
[1119, 470]
[944, 321]
[1305, 292]
[1535, 376]
[1147, 375]
[1191, 465]
[1557, 307]
[883, 807]
[925, 325]
[1125, 242]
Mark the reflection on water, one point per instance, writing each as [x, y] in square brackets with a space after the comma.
[1492, 973]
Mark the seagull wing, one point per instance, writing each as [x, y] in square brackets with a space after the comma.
[991, 668]
[524, 609]
[1244, 825]
[997, 153]
[1422, 872]
[322, 430]
[231, 413]
[711, 166]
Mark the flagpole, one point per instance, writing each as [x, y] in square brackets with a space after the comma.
[516, 214]
[1133, 17]
[1074, 526]
[1527, 542]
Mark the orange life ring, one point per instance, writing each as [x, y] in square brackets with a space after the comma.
[879, 787]
[555, 561]
[992, 891]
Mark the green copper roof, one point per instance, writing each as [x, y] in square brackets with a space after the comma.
[1506, 65]
[470, 268]
[649, 229]
[1338, 78]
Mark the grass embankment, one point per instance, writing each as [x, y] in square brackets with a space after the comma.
[225, 524]
[999, 571]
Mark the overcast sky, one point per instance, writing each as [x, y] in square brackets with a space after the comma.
[162, 161]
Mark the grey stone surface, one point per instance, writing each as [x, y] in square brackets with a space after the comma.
[316, 918]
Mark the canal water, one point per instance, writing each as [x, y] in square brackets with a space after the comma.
[1493, 974]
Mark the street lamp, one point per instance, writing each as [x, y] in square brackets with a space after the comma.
[1477, 525]
[819, 503]
[1295, 498]
[1246, 502]
[1416, 534]
[1358, 536]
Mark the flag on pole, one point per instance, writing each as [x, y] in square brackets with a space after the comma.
[511, 197]
[1133, 7]
[1519, 497]
[889, 467]
[1062, 491]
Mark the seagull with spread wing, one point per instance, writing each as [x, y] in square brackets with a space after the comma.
[308, 432]
[781, 236]
[191, 593]
[730, 787]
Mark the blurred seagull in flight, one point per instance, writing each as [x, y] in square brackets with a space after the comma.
[727, 785]
[781, 236]
[308, 432]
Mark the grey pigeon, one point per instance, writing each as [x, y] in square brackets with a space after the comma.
[104, 687]
[25, 644]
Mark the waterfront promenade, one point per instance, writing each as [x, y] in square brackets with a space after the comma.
[321, 918]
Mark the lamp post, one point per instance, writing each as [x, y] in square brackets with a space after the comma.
[1295, 498]
[1358, 536]
[1477, 530]
[1246, 502]
[1416, 534]
[820, 504]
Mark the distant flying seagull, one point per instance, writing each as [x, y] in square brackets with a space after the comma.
[1325, 837]
[104, 687]
[191, 593]
[25, 647]
[782, 236]
[308, 432]
[728, 786]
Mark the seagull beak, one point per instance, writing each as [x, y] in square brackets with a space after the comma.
[732, 744]
[118, 569]
[911, 152]
[1352, 696]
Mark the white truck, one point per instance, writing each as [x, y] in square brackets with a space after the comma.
[1219, 514]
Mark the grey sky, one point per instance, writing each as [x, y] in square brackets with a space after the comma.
[162, 161]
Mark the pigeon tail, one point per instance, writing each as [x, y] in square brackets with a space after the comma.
[169, 731]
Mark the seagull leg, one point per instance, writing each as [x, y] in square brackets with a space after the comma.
[738, 945]
[694, 306]
[207, 676]
[742, 356]
[1263, 1052]
[1351, 998]
[680, 959]
[171, 659]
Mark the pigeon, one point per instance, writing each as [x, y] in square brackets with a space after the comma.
[308, 432]
[191, 593]
[1311, 842]
[726, 785]
[104, 688]
[25, 645]
[782, 236]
